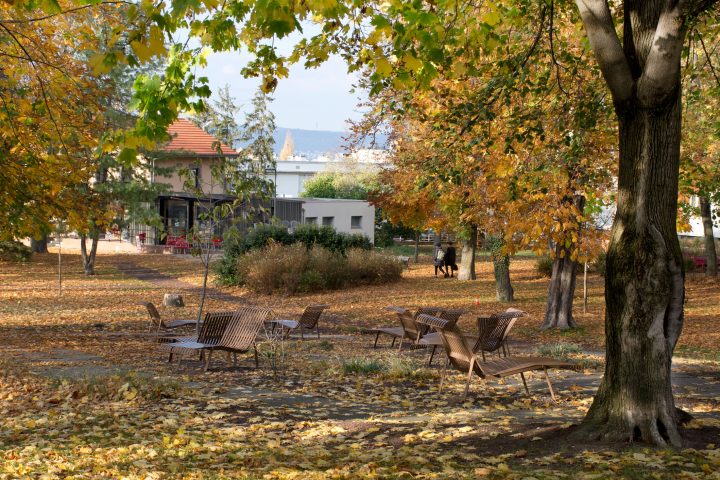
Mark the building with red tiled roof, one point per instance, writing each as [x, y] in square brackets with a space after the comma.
[185, 164]
[186, 137]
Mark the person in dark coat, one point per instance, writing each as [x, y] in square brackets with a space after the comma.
[439, 259]
[450, 257]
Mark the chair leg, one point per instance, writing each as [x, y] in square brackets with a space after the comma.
[234, 359]
[469, 377]
[376, 339]
[317, 327]
[522, 375]
[442, 377]
[432, 353]
[506, 346]
[171, 356]
[401, 344]
[207, 360]
[257, 364]
[547, 379]
[393, 342]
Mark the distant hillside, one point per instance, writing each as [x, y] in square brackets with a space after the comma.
[311, 143]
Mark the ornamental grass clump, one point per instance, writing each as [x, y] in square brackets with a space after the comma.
[296, 268]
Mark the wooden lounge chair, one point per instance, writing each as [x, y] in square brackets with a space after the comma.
[233, 332]
[461, 357]
[401, 331]
[432, 339]
[493, 332]
[161, 325]
[308, 321]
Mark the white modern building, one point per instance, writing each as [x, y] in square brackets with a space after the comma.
[348, 216]
[292, 173]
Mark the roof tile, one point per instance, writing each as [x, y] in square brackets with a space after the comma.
[187, 137]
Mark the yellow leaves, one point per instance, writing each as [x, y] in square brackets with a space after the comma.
[383, 66]
[411, 62]
[154, 45]
[97, 62]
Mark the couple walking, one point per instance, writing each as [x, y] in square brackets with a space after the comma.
[444, 260]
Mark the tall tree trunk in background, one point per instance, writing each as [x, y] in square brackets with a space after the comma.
[467, 260]
[561, 291]
[39, 245]
[88, 258]
[644, 280]
[710, 253]
[417, 247]
[501, 268]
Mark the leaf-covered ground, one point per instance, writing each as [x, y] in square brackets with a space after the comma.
[85, 394]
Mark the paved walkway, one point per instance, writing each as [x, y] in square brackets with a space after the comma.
[161, 280]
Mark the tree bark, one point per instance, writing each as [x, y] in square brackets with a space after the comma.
[644, 281]
[467, 259]
[88, 258]
[561, 291]
[710, 253]
[503, 288]
[417, 247]
[39, 245]
[644, 285]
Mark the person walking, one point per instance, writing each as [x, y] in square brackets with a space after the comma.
[439, 259]
[450, 257]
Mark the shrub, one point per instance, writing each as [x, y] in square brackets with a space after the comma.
[364, 366]
[235, 245]
[544, 266]
[12, 251]
[373, 268]
[294, 268]
[276, 267]
[328, 237]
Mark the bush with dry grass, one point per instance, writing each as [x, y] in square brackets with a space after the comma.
[294, 268]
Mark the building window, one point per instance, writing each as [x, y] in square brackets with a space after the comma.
[311, 220]
[195, 176]
[356, 222]
[328, 221]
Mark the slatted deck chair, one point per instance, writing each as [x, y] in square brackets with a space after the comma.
[394, 332]
[433, 339]
[161, 325]
[211, 332]
[230, 331]
[461, 357]
[494, 330]
[240, 334]
[308, 321]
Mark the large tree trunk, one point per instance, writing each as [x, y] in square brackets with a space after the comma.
[644, 280]
[39, 245]
[710, 253]
[503, 288]
[467, 260]
[561, 291]
[501, 268]
[88, 258]
[644, 285]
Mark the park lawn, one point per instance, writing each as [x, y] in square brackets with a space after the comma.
[84, 395]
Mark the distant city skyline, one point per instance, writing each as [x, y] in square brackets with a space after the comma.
[315, 99]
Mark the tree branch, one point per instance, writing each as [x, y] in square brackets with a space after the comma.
[662, 68]
[606, 45]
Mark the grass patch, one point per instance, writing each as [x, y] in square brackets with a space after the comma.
[562, 351]
[362, 366]
[406, 369]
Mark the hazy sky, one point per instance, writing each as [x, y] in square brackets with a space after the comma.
[317, 99]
